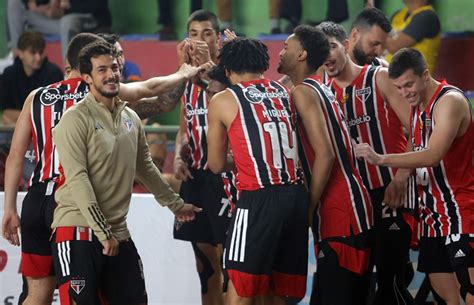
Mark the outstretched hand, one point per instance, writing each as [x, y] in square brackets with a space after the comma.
[188, 71]
[365, 151]
[187, 212]
[395, 193]
[229, 35]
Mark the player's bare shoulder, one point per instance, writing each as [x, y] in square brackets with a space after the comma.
[224, 103]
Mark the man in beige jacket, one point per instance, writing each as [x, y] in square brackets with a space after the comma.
[102, 147]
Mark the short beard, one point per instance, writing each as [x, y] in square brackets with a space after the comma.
[108, 94]
[360, 57]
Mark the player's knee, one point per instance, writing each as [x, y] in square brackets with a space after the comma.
[205, 268]
[39, 297]
[40, 290]
[466, 287]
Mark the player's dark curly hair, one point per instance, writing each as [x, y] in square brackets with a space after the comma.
[316, 44]
[94, 49]
[244, 55]
[333, 30]
[217, 73]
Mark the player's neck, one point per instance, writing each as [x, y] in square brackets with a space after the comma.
[74, 74]
[299, 74]
[348, 73]
[431, 88]
[108, 102]
[244, 77]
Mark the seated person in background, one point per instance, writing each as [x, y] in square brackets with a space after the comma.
[65, 18]
[130, 70]
[157, 144]
[30, 70]
[416, 25]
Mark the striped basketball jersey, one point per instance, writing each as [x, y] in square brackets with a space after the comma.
[371, 120]
[447, 189]
[263, 135]
[49, 103]
[195, 103]
[230, 189]
[345, 203]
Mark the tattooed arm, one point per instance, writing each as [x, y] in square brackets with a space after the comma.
[149, 107]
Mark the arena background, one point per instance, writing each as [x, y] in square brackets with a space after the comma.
[169, 264]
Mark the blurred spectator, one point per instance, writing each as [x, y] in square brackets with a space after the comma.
[57, 17]
[286, 9]
[157, 144]
[224, 13]
[416, 25]
[30, 70]
[165, 18]
[338, 11]
[130, 72]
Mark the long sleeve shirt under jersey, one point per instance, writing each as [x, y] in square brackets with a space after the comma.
[100, 153]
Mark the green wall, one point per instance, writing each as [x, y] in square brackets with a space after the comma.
[3, 27]
[455, 15]
[251, 16]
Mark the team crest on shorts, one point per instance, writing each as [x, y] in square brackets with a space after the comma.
[78, 285]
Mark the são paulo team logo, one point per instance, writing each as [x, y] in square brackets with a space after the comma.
[78, 285]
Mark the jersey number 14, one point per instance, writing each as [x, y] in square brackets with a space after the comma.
[279, 137]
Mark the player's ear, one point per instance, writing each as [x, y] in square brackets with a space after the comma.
[426, 75]
[87, 78]
[303, 55]
[354, 35]
[345, 43]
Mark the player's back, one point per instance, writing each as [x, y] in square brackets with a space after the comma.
[263, 135]
[47, 108]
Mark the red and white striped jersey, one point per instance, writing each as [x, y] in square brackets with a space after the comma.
[263, 135]
[195, 103]
[49, 103]
[447, 189]
[371, 120]
[230, 189]
[345, 205]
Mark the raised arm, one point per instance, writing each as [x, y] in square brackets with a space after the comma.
[156, 86]
[152, 106]
[452, 117]
[149, 107]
